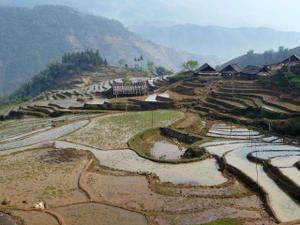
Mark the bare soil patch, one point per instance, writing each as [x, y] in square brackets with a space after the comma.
[98, 214]
[61, 156]
[25, 180]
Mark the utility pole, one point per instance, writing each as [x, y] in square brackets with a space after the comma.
[152, 118]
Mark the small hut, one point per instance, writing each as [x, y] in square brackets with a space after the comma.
[206, 70]
[265, 71]
[231, 71]
[291, 64]
[250, 73]
[294, 59]
[130, 89]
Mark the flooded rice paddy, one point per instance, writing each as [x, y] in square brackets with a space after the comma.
[5, 220]
[235, 152]
[166, 150]
[199, 173]
[285, 162]
[48, 135]
[233, 143]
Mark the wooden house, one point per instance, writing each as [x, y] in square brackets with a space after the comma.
[265, 71]
[293, 60]
[250, 73]
[231, 71]
[291, 64]
[206, 70]
[129, 89]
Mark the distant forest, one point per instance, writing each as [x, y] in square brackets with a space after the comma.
[268, 57]
[71, 64]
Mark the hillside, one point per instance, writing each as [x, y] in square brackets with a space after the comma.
[223, 42]
[32, 38]
[268, 57]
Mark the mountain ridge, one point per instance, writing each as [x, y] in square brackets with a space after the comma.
[225, 42]
[260, 59]
[32, 38]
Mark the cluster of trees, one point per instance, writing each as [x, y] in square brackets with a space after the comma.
[71, 64]
[162, 71]
[87, 60]
[271, 55]
[138, 65]
[287, 81]
[268, 57]
[190, 65]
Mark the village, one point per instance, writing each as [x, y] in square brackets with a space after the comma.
[199, 142]
[229, 72]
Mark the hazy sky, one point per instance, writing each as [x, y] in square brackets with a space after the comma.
[278, 14]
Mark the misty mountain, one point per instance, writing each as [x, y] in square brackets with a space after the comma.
[127, 11]
[32, 38]
[268, 57]
[223, 42]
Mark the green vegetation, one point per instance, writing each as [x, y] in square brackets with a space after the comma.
[114, 131]
[289, 80]
[190, 65]
[162, 71]
[33, 38]
[286, 126]
[180, 76]
[72, 63]
[143, 142]
[268, 57]
[223, 222]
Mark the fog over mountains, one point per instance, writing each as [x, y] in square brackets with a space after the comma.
[32, 38]
[226, 43]
[277, 14]
[163, 31]
[223, 29]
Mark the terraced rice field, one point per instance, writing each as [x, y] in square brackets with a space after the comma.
[284, 207]
[46, 135]
[104, 215]
[114, 131]
[84, 172]
[192, 173]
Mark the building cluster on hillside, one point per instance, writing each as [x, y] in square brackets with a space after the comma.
[235, 71]
[130, 89]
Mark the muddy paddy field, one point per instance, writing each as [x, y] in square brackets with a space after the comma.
[84, 171]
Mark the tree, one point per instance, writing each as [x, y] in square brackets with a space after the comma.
[162, 71]
[218, 67]
[250, 53]
[105, 63]
[122, 62]
[141, 60]
[71, 64]
[190, 65]
[283, 52]
[150, 66]
[126, 79]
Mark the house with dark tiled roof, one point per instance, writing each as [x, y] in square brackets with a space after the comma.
[250, 73]
[231, 71]
[206, 70]
[294, 59]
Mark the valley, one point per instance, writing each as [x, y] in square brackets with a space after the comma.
[189, 149]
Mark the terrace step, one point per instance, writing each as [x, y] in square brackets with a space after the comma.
[184, 90]
[30, 112]
[247, 91]
[227, 103]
